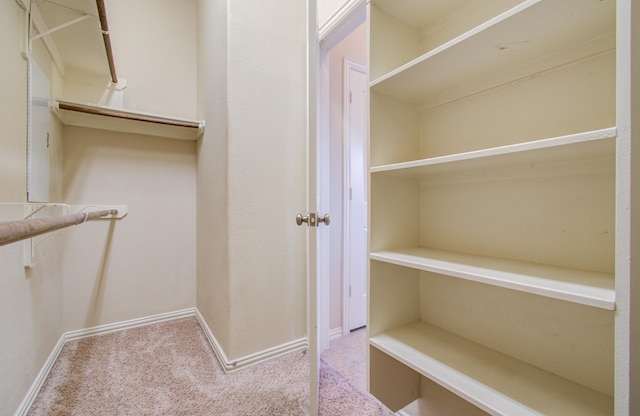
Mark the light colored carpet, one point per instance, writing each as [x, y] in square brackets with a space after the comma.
[169, 368]
[348, 355]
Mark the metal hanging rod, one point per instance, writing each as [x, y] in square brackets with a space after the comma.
[104, 26]
[127, 115]
[13, 231]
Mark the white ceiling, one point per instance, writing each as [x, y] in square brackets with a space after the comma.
[80, 44]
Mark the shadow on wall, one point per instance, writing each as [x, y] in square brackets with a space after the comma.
[97, 295]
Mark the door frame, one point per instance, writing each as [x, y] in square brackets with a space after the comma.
[349, 64]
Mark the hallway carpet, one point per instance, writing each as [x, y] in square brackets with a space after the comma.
[169, 368]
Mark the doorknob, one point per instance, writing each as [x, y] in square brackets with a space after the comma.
[313, 219]
[301, 218]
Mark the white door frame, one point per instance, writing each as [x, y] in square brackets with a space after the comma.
[337, 28]
[349, 64]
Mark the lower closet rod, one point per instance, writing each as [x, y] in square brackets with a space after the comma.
[12, 231]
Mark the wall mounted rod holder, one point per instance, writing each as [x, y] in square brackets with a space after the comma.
[13, 231]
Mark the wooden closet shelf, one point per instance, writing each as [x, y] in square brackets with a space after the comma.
[106, 118]
[496, 383]
[580, 146]
[508, 41]
[572, 285]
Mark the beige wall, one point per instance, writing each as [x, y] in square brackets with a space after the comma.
[213, 296]
[246, 176]
[92, 275]
[13, 157]
[30, 299]
[143, 264]
[154, 46]
[253, 263]
[354, 47]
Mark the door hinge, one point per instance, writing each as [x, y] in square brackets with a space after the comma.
[350, 97]
[349, 290]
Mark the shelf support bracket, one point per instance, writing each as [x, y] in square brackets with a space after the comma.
[62, 26]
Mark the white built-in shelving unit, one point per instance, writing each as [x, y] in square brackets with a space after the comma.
[495, 142]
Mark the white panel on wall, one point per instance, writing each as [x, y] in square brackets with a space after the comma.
[38, 135]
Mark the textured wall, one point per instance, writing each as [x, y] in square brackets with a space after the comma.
[30, 299]
[213, 299]
[252, 170]
[143, 264]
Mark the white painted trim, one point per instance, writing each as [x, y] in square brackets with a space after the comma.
[336, 333]
[133, 323]
[251, 359]
[37, 384]
[343, 22]
[33, 391]
[349, 64]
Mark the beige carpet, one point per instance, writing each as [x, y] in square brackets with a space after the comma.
[169, 368]
[348, 355]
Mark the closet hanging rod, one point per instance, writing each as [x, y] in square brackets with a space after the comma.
[109, 112]
[104, 26]
[12, 231]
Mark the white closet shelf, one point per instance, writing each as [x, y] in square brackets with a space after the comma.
[496, 383]
[504, 43]
[584, 287]
[115, 119]
[597, 144]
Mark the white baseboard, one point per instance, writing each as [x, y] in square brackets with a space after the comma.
[335, 333]
[132, 323]
[30, 397]
[251, 359]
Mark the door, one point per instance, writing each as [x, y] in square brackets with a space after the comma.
[312, 258]
[355, 93]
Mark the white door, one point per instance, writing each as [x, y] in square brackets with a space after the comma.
[355, 132]
[312, 258]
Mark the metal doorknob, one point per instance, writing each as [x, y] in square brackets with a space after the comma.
[301, 218]
[313, 219]
[326, 219]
